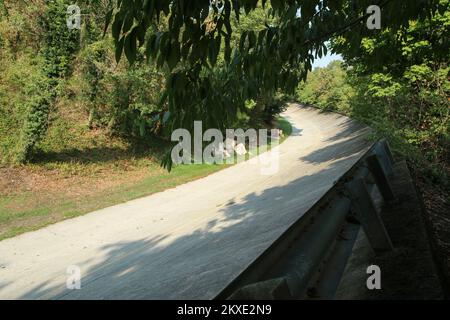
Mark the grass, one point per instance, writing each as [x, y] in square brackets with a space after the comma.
[57, 187]
[285, 126]
[19, 215]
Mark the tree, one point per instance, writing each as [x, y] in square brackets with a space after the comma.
[274, 57]
[327, 88]
[399, 85]
[394, 51]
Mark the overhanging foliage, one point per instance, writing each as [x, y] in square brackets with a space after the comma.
[277, 56]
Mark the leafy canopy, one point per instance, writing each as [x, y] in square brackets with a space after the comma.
[275, 56]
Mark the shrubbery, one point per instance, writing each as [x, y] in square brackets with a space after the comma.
[46, 67]
[412, 111]
[397, 82]
[327, 88]
[34, 64]
[123, 98]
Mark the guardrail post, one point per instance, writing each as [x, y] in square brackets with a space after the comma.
[368, 215]
[387, 149]
[384, 154]
[381, 177]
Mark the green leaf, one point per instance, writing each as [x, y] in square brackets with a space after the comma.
[119, 49]
[130, 46]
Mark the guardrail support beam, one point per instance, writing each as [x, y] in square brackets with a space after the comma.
[368, 215]
[387, 149]
[381, 177]
[383, 151]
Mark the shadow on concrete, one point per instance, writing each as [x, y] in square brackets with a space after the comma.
[341, 146]
[200, 264]
[197, 265]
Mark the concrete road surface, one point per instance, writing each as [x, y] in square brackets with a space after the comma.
[189, 242]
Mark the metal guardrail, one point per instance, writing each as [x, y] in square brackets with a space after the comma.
[309, 260]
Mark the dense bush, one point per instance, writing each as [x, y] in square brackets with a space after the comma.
[46, 66]
[327, 88]
[37, 50]
[412, 111]
[399, 85]
[22, 94]
[123, 98]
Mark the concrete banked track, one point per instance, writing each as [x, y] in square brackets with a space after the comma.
[192, 241]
